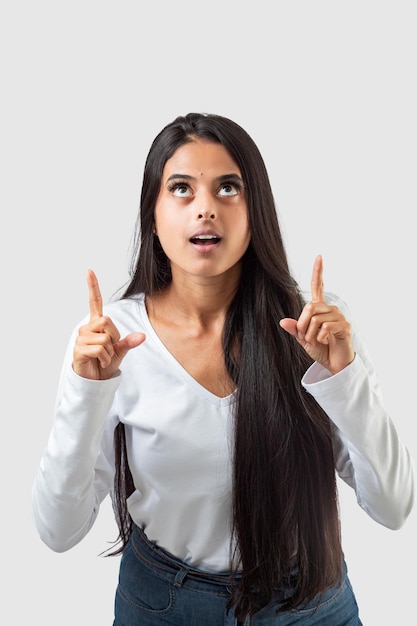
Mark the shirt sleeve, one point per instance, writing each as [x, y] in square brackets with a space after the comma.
[369, 455]
[77, 468]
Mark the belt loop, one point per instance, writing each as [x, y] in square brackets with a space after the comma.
[180, 577]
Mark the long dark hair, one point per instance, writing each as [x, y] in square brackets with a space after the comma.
[284, 503]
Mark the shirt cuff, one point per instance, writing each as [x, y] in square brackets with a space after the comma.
[318, 378]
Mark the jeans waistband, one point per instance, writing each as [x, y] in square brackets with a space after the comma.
[160, 559]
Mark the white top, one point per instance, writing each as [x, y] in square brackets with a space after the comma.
[179, 447]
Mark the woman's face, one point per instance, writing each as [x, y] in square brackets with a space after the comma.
[201, 214]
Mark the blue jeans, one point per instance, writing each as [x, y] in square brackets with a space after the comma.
[155, 589]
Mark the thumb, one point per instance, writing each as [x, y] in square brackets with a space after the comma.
[130, 341]
[290, 326]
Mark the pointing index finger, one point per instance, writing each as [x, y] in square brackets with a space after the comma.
[94, 296]
[317, 287]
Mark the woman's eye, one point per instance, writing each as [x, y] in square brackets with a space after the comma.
[228, 189]
[180, 190]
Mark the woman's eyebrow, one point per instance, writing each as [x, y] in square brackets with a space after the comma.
[229, 178]
[182, 176]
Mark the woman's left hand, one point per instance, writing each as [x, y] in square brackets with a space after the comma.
[322, 330]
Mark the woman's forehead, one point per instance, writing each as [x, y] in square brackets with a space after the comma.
[200, 157]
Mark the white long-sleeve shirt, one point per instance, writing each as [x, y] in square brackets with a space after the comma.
[179, 447]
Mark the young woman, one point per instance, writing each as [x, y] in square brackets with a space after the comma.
[215, 404]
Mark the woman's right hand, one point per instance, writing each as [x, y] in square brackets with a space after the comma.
[98, 349]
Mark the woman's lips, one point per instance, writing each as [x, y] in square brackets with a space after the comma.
[205, 240]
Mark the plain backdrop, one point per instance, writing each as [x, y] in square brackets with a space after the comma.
[327, 90]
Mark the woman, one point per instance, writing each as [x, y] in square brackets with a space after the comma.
[214, 403]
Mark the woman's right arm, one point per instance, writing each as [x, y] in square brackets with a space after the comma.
[77, 469]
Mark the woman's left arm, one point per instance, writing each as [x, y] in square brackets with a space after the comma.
[369, 455]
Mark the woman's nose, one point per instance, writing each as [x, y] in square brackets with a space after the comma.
[205, 205]
[206, 214]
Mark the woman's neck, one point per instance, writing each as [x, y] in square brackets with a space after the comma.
[196, 300]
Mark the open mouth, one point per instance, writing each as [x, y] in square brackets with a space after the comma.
[205, 239]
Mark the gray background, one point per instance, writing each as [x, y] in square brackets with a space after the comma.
[327, 89]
